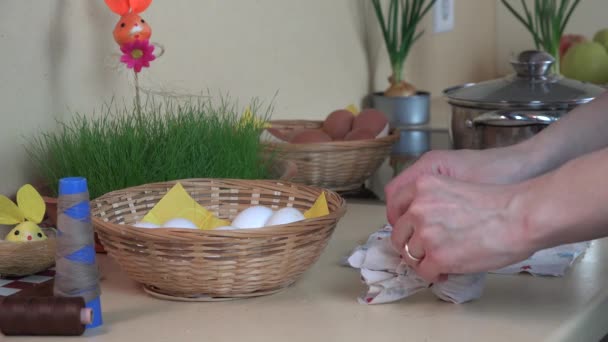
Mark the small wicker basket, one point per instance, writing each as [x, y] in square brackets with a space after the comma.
[337, 165]
[184, 264]
[26, 258]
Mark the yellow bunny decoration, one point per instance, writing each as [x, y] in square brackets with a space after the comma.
[27, 214]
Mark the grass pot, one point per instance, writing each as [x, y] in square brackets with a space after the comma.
[402, 111]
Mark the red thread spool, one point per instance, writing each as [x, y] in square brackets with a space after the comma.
[44, 316]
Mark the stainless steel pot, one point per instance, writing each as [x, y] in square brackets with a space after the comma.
[508, 110]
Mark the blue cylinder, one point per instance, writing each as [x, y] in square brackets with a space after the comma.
[72, 185]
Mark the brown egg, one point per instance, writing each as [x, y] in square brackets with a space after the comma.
[338, 123]
[307, 136]
[371, 119]
[360, 134]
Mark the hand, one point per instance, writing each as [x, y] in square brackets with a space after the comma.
[456, 227]
[492, 166]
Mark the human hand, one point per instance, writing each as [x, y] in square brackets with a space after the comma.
[492, 166]
[455, 227]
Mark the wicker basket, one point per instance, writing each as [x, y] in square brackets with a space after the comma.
[337, 165]
[25, 258]
[192, 264]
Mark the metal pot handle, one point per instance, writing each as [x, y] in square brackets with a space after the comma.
[514, 118]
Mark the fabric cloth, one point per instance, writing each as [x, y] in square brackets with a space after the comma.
[548, 262]
[388, 279]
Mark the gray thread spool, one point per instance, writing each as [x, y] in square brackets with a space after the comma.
[76, 270]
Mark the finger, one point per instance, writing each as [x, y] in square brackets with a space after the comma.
[400, 202]
[395, 186]
[397, 182]
[402, 231]
[408, 257]
[415, 248]
[391, 187]
[428, 270]
[406, 176]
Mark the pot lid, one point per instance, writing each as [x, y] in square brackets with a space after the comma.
[532, 86]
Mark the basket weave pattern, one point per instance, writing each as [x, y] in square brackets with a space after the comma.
[238, 263]
[26, 258]
[337, 165]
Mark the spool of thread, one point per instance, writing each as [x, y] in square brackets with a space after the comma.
[44, 316]
[76, 273]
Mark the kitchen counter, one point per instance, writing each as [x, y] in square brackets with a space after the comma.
[322, 305]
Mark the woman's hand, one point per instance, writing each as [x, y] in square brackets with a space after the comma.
[492, 166]
[456, 227]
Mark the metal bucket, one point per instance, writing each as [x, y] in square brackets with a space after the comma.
[410, 110]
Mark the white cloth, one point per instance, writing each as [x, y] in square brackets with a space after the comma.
[389, 280]
[548, 262]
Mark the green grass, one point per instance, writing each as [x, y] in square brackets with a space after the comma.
[168, 140]
[399, 29]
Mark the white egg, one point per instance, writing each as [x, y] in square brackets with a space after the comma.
[285, 216]
[225, 228]
[180, 223]
[145, 225]
[252, 217]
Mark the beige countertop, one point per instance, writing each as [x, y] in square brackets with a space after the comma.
[322, 305]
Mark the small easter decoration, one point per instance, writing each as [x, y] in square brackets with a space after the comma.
[26, 214]
[132, 33]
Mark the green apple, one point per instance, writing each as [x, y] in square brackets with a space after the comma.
[587, 61]
[601, 37]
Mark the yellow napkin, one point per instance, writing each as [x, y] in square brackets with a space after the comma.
[353, 109]
[178, 203]
[319, 208]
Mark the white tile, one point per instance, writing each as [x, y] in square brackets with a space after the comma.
[36, 279]
[5, 291]
[5, 281]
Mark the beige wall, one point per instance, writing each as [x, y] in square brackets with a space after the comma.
[58, 58]
[588, 18]
[445, 59]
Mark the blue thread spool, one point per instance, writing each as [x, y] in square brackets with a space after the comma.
[81, 212]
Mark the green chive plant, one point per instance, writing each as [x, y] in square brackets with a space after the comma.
[546, 23]
[167, 140]
[399, 32]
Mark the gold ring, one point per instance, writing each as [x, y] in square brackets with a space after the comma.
[409, 255]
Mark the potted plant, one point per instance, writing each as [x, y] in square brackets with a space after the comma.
[401, 101]
[546, 23]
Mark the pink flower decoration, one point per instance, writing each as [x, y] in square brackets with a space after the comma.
[137, 54]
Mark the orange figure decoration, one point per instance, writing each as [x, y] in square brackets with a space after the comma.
[131, 26]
